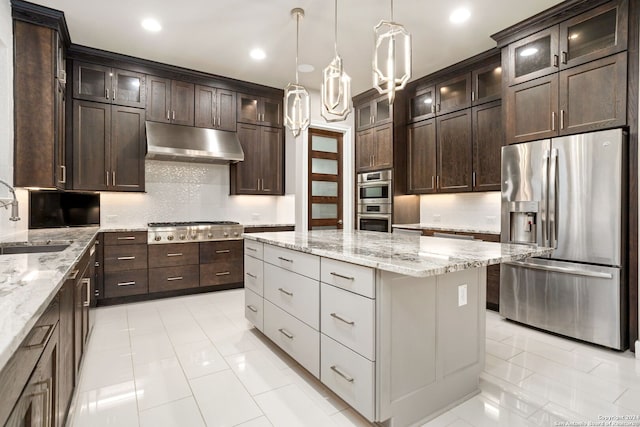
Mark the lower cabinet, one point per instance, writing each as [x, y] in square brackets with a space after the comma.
[221, 263]
[173, 267]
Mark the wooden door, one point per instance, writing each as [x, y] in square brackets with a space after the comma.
[66, 367]
[91, 137]
[364, 150]
[127, 149]
[383, 146]
[455, 160]
[325, 180]
[245, 175]
[271, 111]
[158, 99]
[247, 108]
[422, 103]
[92, 82]
[182, 103]
[128, 88]
[226, 110]
[453, 94]
[488, 139]
[534, 56]
[205, 103]
[531, 110]
[593, 96]
[271, 161]
[422, 160]
[487, 84]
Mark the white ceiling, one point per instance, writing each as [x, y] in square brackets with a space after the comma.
[216, 36]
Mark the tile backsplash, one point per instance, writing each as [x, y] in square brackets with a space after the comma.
[481, 210]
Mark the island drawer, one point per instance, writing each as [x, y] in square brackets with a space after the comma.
[173, 254]
[124, 283]
[253, 308]
[349, 319]
[126, 257]
[348, 375]
[253, 248]
[298, 262]
[354, 278]
[299, 340]
[253, 274]
[125, 238]
[173, 278]
[295, 294]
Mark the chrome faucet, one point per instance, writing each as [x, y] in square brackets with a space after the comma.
[4, 203]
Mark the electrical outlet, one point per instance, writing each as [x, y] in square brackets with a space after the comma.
[462, 295]
[436, 217]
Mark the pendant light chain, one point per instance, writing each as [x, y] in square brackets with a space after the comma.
[297, 43]
[335, 28]
[391, 10]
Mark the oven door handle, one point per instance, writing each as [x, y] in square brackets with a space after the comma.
[374, 184]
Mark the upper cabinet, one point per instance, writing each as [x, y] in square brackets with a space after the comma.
[534, 56]
[487, 83]
[215, 108]
[373, 113]
[259, 110]
[170, 101]
[109, 85]
[422, 104]
[453, 94]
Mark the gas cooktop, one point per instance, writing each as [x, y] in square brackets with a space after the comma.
[193, 231]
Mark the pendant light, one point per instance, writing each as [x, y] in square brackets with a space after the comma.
[296, 97]
[391, 57]
[336, 84]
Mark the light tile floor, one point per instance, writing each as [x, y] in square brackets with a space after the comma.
[195, 361]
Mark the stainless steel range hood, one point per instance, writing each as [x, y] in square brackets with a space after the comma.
[190, 144]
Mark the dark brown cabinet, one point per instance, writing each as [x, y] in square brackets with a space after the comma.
[453, 94]
[374, 148]
[259, 110]
[92, 82]
[67, 368]
[215, 108]
[170, 101]
[422, 104]
[531, 110]
[488, 139]
[375, 112]
[487, 84]
[125, 264]
[108, 147]
[262, 171]
[534, 56]
[421, 157]
[454, 152]
[221, 263]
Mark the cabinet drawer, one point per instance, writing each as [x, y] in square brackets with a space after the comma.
[126, 257]
[349, 319]
[125, 238]
[299, 340]
[253, 274]
[253, 248]
[354, 278]
[173, 278]
[173, 254]
[221, 273]
[220, 251]
[348, 375]
[295, 294]
[123, 283]
[253, 308]
[298, 262]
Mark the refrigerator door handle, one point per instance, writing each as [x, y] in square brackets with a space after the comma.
[543, 203]
[572, 271]
[553, 199]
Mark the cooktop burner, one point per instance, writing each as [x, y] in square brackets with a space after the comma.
[199, 231]
[190, 223]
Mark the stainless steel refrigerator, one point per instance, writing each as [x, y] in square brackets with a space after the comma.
[568, 193]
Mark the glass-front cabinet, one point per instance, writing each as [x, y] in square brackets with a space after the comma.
[98, 83]
[373, 113]
[422, 104]
[534, 56]
[454, 94]
[259, 110]
[487, 84]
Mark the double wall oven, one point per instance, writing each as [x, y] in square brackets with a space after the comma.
[375, 196]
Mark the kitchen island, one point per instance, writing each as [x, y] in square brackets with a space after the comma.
[393, 324]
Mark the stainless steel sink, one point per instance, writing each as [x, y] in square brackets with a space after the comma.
[26, 248]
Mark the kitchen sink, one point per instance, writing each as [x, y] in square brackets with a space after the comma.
[25, 248]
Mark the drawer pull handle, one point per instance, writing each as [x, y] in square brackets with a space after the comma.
[45, 336]
[87, 283]
[253, 276]
[74, 274]
[176, 254]
[252, 249]
[285, 259]
[252, 308]
[224, 273]
[335, 369]
[286, 292]
[171, 279]
[126, 283]
[342, 319]
[126, 258]
[286, 333]
[341, 276]
[127, 238]
[225, 251]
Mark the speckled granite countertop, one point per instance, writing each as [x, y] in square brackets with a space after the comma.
[399, 253]
[267, 225]
[125, 229]
[445, 228]
[29, 282]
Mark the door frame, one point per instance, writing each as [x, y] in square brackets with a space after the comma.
[340, 175]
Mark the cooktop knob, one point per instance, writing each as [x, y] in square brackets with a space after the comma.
[226, 234]
[194, 236]
[182, 236]
[170, 237]
[157, 238]
[235, 234]
[210, 235]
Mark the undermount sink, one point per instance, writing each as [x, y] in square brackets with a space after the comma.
[25, 248]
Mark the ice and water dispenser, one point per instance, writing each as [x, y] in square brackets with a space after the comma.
[523, 219]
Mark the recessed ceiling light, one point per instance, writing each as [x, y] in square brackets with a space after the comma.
[459, 15]
[257, 54]
[306, 68]
[151, 24]
[529, 51]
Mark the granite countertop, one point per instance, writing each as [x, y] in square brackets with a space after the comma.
[412, 255]
[267, 225]
[125, 229]
[29, 282]
[421, 226]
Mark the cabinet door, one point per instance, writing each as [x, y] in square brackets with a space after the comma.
[128, 88]
[226, 110]
[271, 111]
[78, 342]
[364, 116]
[91, 136]
[488, 139]
[534, 56]
[247, 108]
[127, 149]
[246, 174]
[422, 104]
[383, 154]
[382, 111]
[454, 94]
[205, 103]
[66, 366]
[531, 110]
[421, 152]
[487, 84]
[364, 150]
[92, 82]
[60, 137]
[158, 99]
[594, 34]
[271, 153]
[182, 103]
[593, 95]
[454, 152]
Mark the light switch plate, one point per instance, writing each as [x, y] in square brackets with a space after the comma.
[462, 295]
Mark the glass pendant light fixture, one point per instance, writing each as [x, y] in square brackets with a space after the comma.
[296, 97]
[336, 85]
[391, 57]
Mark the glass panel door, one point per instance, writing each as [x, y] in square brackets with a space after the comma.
[422, 104]
[454, 94]
[383, 111]
[534, 56]
[271, 112]
[325, 180]
[128, 88]
[364, 116]
[247, 108]
[487, 84]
